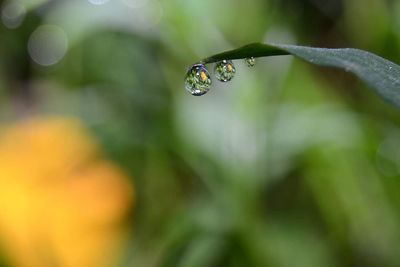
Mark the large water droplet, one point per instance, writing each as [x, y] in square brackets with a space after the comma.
[250, 61]
[224, 70]
[197, 80]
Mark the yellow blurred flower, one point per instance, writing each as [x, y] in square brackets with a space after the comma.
[61, 202]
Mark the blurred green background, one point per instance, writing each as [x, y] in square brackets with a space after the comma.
[286, 165]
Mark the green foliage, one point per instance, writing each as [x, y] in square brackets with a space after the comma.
[287, 165]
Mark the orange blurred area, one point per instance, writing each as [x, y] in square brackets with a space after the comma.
[62, 203]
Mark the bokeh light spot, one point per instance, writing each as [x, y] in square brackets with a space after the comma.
[12, 14]
[47, 45]
[98, 2]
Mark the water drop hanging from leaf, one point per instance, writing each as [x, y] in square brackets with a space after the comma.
[250, 61]
[197, 80]
[224, 70]
[382, 75]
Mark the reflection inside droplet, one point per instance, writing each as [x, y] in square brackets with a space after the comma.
[12, 14]
[250, 61]
[47, 45]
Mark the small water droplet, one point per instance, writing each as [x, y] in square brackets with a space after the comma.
[197, 80]
[224, 70]
[250, 61]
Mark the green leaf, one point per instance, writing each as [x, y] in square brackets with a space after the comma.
[380, 74]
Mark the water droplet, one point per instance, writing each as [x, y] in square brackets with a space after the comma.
[224, 70]
[250, 61]
[197, 80]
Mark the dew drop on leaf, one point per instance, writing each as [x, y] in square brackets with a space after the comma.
[224, 70]
[197, 80]
[250, 61]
